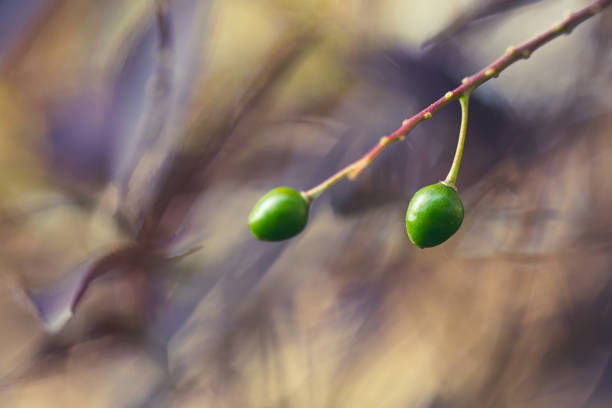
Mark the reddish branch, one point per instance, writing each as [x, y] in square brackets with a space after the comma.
[468, 84]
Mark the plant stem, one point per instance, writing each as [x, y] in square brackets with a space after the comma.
[314, 192]
[512, 55]
[451, 179]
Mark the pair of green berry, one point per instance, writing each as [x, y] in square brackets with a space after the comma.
[434, 214]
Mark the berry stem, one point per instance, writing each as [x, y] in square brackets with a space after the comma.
[512, 55]
[314, 192]
[451, 179]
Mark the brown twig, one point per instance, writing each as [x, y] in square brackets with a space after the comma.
[161, 79]
[512, 55]
[136, 194]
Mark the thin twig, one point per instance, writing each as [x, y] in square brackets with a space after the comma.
[512, 55]
[161, 80]
[137, 193]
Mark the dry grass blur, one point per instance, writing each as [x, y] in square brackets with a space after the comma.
[514, 311]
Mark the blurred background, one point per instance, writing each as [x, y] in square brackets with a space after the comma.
[129, 121]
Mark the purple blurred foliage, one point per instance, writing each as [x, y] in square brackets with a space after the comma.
[15, 17]
[56, 303]
[81, 137]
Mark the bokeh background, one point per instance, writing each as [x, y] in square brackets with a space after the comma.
[120, 124]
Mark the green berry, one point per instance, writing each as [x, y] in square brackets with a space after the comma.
[280, 214]
[434, 214]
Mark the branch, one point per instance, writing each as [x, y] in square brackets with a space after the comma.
[162, 76]
[512, 55]
[136, 191]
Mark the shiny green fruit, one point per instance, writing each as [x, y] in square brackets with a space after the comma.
[280, 214]
[434, 214]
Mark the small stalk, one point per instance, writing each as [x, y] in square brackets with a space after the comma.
[316, 191]
[451, 179]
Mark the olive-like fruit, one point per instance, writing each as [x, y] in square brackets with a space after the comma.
[434, 214]
[280, 214]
